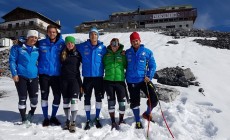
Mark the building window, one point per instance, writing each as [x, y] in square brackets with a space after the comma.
[31, 23]
[187, 25]
[171, 26]
[17, 24]
[16, 33]
[23, 23]
[9, 25]
[180, 26]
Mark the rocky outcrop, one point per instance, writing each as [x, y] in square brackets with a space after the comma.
[176, 77]
[222, 41]
[164, 93]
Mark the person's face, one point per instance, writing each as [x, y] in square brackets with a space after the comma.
[93, 37]
[52, 33]
[114, 45]
[31, 41]
[136, 43]
[70, 45]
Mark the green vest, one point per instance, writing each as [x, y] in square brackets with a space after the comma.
[114, 64]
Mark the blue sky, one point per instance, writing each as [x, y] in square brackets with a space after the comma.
[212, 14]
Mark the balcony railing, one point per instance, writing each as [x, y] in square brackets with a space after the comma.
[22, 26]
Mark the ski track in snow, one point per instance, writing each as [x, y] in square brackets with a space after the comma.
[190, 117]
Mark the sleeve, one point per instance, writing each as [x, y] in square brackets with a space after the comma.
[13, 60]
[80, 57]
[151, 66]
[79, 48]
[104, 50]
[124, 60]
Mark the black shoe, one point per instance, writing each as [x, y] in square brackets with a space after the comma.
[55, 121]
[121, 122]
[66, 126]
[97, 123]
[139, 125]
[87, 125]
[114, 125]
[30, 117]
[46, 122]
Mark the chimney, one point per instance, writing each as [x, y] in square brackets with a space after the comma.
[58, 22]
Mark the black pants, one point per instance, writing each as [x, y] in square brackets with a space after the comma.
[46, 82]
[27, 86]
[90, 83]
[134, 91]
[113, 88]
[70, 88]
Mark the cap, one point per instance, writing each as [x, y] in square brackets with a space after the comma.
[134, 36]
[69, 39]
[32, 33]
[94, 29]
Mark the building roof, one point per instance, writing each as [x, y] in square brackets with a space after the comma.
[19, 9]
[95, 21]
[156, 10]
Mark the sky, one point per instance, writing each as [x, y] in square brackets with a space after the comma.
[191, 116]
[212, 14]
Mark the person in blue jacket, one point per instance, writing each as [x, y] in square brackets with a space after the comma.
[140, 70]
[92, 52]
[49, 69]
[23, 66]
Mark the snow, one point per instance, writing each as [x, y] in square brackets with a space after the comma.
[192, 116]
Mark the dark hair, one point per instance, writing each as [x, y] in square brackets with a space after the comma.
[52, 26]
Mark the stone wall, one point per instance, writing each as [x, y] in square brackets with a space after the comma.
[4, 62]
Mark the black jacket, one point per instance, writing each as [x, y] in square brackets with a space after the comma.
[70, 66]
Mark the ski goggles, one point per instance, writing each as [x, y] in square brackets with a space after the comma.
[114, 43]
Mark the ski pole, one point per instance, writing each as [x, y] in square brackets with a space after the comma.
[154, 88]
[147, 88]
[150, 106]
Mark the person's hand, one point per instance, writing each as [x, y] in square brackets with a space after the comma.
[81, 93]
[123, 52]
[146, 79]
[82, 90]
[16, 78]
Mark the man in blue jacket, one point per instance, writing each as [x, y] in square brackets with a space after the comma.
[92, 52]
[140, 70]
[49, 68]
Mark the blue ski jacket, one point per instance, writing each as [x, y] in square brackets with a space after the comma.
[23, 61]
[139, 64]
[92, 56]
[49, 56]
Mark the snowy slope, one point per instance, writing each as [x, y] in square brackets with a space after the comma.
[191, 116]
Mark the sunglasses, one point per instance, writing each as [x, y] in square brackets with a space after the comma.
[114, 43]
